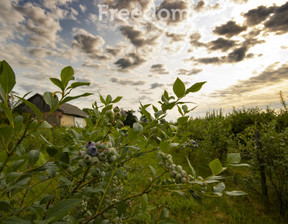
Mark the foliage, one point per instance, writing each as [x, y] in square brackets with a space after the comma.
[84, 177]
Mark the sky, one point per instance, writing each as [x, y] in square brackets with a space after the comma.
[137, 48]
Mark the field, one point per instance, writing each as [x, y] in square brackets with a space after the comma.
[118, 169]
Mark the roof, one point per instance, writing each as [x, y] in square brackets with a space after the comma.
[72, 110]
[66, 108]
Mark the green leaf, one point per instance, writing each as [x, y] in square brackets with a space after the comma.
[5, 206]
[216, 167]
[66, 75]
[179, 88]
[32, 107]
[180, 110]
[58, 83]
[185, 108]
[166, 95]
[77, 84]
[108, 99]
[61, 209]
[182, 120]
[152, 170]
[45, 124]
[8, 113]
[7, 78]
[69, 98]
[13, 220]
[137, 127]
[6, 131]
[2, 94]
[235, 193]
[233, 158]
[195, 88]
[18, 123]
[117, 99]
[33, 157]
[51, 100]
[17, 164]
[102, 99]
[52, 150]
[122, 207]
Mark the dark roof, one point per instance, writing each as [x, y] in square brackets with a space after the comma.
[66, 108]
[72, 110]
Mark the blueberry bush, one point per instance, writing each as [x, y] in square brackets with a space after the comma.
[85, 177]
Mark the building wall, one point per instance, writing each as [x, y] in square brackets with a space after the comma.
[80, 122]
[67, 121]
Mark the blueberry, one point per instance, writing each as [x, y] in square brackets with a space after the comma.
[92, 150]
[90, 144]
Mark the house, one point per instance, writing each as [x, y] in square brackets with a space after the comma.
[66, 115]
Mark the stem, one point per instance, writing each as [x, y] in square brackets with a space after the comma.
[146, 190]
[83, 179]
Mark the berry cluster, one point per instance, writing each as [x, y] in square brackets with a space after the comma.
[100, 155]
[116, 117]
[177, 173]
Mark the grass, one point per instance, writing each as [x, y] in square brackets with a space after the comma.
[234, 210]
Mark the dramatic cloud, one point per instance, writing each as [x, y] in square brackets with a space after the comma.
[137, 37]
[173, 11]
[159, 69]
[258, 15]
[269, 77]
[278, 22]
[130, 61]
[89, 44]
[125, 82]
[221, 44]
[229, 29]
[193, 71]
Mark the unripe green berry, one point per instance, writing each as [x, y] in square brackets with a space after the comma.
[179, 168]
[113, 158]
[102, 174]
[183, 173]
[87, 159]
[183, 180]
[81, 154]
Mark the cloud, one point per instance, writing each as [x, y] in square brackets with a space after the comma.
[156, 85]
[172, 11]
[127, 4]
[175, 37]
[194, 40]
[137, 37]
[89, 44]
[278, 22]
[201, 6]
[159, 69]
[269, 77]
[258, 15]
[237, 55]
[125, 82]
[130, 61]
[221, 44]
[229, 29]
[115, 51]
[193, 71]
[39, 25]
